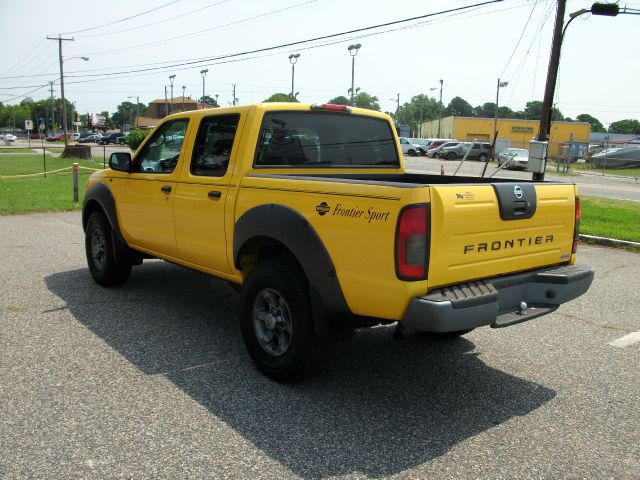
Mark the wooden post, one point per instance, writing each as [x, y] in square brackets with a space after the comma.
[75, 182]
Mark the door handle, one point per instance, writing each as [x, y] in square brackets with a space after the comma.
[166, 188]
[214, 194]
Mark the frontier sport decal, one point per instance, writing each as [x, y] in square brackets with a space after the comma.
[369, 215]
[507, 244]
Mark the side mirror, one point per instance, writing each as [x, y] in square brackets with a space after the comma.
[120, 161]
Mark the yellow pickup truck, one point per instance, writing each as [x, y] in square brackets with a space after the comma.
[309, 211]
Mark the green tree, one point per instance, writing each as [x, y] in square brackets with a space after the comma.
[126, 113]
[339, 100]
[533, 111]
[505, 112]
[596, 125]
[459, 107]
[209, 101]
[364, 100]
[486, 110]
[280, 97]
[628, 126]
[421, 108]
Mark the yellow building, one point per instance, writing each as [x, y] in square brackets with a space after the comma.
[511, 132]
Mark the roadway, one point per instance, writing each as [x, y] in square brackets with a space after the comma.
[590, 184]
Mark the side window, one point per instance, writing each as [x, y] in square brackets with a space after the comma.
[212, 149]
[160, 154]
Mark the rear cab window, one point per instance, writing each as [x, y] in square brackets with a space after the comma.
[325, 140]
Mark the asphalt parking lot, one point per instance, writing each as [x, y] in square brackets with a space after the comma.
[152, 380]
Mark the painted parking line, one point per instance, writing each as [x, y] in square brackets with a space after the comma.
[630, 339]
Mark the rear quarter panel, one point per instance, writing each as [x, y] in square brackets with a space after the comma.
[357, 224]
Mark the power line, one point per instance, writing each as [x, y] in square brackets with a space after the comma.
[175, 17]
[300, 42]
[230, 58]
[154, 9]
[519, 39]
[199, 32]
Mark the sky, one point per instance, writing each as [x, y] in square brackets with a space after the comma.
[468, 49]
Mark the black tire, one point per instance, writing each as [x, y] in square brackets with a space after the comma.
[452, 156]
[276, 322]
[107, 268]
[411, 153]
[483, 157]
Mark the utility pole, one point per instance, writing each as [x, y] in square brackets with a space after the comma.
[440, 115]
[171, 79]
[166, 102]
[550, 87]
[64, 109]
[234, 94]
[53, 114]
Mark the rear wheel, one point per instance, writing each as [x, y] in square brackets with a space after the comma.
[276, 322]
[106, 267]
[412, 153]
[452, 156]
[483, 157]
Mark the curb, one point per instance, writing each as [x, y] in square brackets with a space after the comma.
[609, 242]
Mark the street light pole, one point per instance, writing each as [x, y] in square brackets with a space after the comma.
[440, 116]
[293, 59]
[183, 89]
[171, 79]
[204, 74]
[495, 117]
[137, 110]
[353, 51]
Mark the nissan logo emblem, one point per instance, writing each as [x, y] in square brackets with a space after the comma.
[517, 191]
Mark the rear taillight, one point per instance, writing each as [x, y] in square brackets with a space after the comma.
[576, 227]
[412, 243]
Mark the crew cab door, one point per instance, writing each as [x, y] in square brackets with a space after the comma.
[203, 192]
[145, 196]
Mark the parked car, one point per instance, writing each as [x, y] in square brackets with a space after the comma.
[36, 136]
[437, 145]
[408, 147]
[111, 138]
[9, 139]
[55, 138]
[479, 151]
[518, 158]
[422, 143]
[89, 137]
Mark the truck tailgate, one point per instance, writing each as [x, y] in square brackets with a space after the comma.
[480, 231]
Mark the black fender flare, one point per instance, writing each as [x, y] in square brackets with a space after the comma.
[101, 194]
[292, 230]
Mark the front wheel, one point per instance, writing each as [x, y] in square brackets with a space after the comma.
[452, 156]
[106, 267]
[483, 157]
[276, 322]
[412, 153]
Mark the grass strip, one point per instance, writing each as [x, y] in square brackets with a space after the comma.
[603, 217]
[585, 167]
[16, 150]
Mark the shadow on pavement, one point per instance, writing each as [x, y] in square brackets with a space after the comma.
[379, 408]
